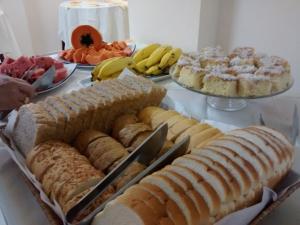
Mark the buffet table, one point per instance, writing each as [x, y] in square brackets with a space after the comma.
[20, 207]
[110, 18]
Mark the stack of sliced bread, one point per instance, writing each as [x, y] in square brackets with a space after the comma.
[202, 187]
[65, 175]
[105, 153]
[179, 126]
[64, 117]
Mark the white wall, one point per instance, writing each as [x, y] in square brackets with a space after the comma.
[175, 22]
[272, 26]
[35, 24]
[209, 20]
[16, 14]
[43, 24]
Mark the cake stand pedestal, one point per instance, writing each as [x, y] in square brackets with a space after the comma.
[226, 104]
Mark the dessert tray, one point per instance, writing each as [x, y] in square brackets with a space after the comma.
[227, 103]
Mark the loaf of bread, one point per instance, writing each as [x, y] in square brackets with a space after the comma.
[64, 117]
[105, 153]
[179, 126]
[223, 176]
[66, 175]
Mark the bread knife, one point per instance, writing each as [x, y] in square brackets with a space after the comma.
[174, 152]
[151, 146]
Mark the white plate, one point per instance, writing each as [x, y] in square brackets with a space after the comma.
[71, 67]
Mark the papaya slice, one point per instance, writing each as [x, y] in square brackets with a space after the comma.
[62, 54]
[122, 44]
[77, 56]
[85, 36]
[69, 55]
[93, 59]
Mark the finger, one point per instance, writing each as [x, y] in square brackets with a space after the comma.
[26, 89]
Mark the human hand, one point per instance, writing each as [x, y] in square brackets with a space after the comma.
[14, 92]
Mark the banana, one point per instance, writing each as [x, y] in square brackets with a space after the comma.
[145, 52]
[176, 53]
[97, 68]
[112, 76]
[154, 70]
[141, 66]
[114, 66]
[164, 60]
[156, 56]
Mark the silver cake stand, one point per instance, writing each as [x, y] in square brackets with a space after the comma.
[227, 103]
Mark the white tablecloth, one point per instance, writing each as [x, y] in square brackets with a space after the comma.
[8, 43]
[20, 207]
[111, 19]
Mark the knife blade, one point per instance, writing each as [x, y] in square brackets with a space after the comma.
[174, 152]
[46, 80]
[154, 141]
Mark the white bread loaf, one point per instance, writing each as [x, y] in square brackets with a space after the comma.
[62, 118]
[225, 175]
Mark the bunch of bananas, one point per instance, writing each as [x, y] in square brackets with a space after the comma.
[111, 68]
[155, 59]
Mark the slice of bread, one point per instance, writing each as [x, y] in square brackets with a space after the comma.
[121, 122]
[257, 163]
[235, 170]
[130, 132]
[187, 187]
[161, 117]
[174, 192]
[192, 130]
[85, 138]
[205, 190]
[210, 175]
[148, 113]
[200, 137]
[180, 127]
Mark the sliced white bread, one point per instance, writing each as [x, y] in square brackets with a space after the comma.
[200, 137]
[268, 150]
[124, 211]
[205, 190]
[223, 171]
[187, 187]
[161, 117]
[235, 170]
[197, 128]
[179, 127]
[174, 192]
[245, 153]
[211, 176]
[247, 167]
[146, 114]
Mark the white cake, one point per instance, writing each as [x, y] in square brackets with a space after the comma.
[192, 76]
[279, 76]
[220, 84]
[254, 85]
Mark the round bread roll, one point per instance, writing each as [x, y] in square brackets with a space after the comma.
[86, 137]
[121, 122]
[130, 131]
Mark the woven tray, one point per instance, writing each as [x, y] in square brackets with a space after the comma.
[55, 220]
